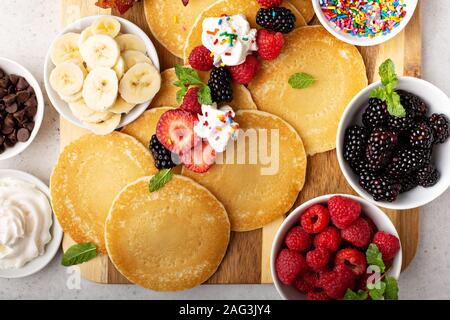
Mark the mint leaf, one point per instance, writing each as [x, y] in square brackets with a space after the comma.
[179, 84]
[374, 257]
[376, 290]
[79, 253]
[391, 292]
[387, 74]
[160, 179]
[379, 93]
[394, 106]
[301, 80]
[204, 95]
[187, 76]
[351, 295]
[181, 93]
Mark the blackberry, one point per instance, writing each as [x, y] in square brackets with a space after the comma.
[277, 19]
[381, 188]
[220, 85]
[440, 126]
[401, 124]
[421, 136]
[408, 183]
[164, 159]
[413, 103]
[405, 161]
[428, 176]
[355, 143]
[360, 167]
[376, 114]
[379, 148]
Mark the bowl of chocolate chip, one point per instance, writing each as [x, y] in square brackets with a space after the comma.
[21, 108]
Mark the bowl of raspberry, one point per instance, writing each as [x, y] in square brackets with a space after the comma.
[392, 141]
[337, 247]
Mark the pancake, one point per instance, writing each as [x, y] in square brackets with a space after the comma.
[242, 99]
[170, 21]
[315, 111]
[249, 8]
[169, 240]
[88, 175]
[252, 197]
[305, 7]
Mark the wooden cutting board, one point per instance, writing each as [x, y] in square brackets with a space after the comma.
[247, 260]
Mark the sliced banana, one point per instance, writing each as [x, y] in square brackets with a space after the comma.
[131, 42]
[140, 84]
[121, 106]
[85, 34]
[67, 78]
[106, 25]
[73, 98]
[119, 68]
[105, 127]
[100, 51]
[66, 48]
[133, 57]
[100, 89]
[81, 111]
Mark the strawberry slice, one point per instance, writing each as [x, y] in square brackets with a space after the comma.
[175, 130]
[200, 158]
[121, 5]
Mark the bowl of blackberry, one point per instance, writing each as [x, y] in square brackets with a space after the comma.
[392, 141]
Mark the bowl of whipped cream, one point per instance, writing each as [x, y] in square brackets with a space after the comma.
[30, 235]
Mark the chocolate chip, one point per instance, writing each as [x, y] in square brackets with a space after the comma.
[12, 107]
[9, 99]
[4, 83]
[2, 139]
[23, 96]
[22, 84]
[20, 116]
[13, 138]
[3, 92]
[14, 78]
[29, 126]
[7, 130]
[31, 90]
[30, 111]
[9, 121]
[32, 102]
[23, 135]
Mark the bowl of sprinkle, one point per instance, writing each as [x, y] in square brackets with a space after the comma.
[364, 22]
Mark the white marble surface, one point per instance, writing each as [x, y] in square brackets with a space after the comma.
[27, 28]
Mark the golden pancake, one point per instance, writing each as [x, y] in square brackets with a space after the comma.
[88, 175]
[172, 239]
[305, 7]
[314, 111]
[170, 21]
[242, 99]
[249, 8]
[256, 194]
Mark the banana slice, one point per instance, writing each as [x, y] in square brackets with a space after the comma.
[100, 51]
[100, 89]
[121, 106]
[85, 34]
[66, 48]
[107, 26]
[131, 42]
[119, 68]
[105, 127]
[67, 79]
[81, 111]
[140, 83]
[133, 57]
[73, 98]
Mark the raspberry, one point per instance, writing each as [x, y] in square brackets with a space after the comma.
[190, 101]
[303, 285]
[245, 72]
[269, 44]
[343, 211]
[358, 233]
[388, 244]
[336, 282]
[317, 259]
[329, 239]
[270, 3]
[315, 219]
[353, 259]
[289, 265]
[317, 296]
[201, 59]
[311, 278]
[298, 240]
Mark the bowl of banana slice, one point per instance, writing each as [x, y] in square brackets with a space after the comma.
[101, 73]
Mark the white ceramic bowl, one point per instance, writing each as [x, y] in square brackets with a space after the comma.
[438, 102]
[61, 106]
[380, 219]
[364, 41]
[51, 248]
[12, 67]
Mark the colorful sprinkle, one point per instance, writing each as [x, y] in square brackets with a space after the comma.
[175, 19]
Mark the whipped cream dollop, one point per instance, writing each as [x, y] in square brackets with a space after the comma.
[25, 221]
[217, 126]
[229, 38]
